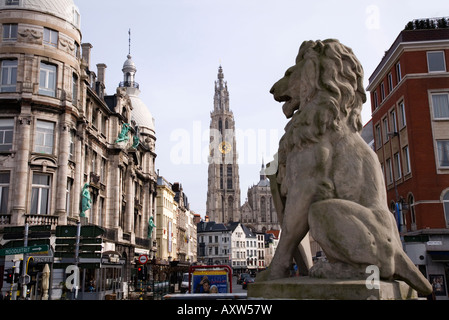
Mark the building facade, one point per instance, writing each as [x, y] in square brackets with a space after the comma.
[166, 212]
[223, 193]
[258, 212]
[410, 117]
[60, 135]
[214, 243]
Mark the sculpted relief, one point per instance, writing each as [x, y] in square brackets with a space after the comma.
[327, 181]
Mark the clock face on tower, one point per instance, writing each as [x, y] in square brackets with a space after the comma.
[225, 147]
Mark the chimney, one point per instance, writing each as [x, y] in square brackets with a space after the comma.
[101, 72]
[101, 76]
[86, 47]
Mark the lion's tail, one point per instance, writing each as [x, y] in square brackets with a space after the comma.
[408, 272]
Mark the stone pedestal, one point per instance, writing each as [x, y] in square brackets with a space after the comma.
[306, 288]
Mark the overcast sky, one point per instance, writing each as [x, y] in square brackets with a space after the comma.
[178, 45]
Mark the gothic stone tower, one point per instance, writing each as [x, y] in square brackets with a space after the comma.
[223, 194]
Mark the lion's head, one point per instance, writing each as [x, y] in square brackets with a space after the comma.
[325, 88]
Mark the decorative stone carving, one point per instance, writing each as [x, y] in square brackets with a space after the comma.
[327, 179]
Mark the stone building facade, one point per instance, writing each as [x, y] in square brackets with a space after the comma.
[258, 212]
[60, 132]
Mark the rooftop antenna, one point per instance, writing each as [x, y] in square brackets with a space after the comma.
[129, 38]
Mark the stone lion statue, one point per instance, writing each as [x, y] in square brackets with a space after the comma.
[328, 180]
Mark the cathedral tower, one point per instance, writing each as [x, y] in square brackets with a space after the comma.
[223, 194]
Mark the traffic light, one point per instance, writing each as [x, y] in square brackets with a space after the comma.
[142, 272]
[32, 270]
[9, 275]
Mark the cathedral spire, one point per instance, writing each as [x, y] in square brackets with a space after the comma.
[221, 100]
[263, 176]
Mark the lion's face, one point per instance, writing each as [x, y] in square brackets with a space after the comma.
[295, 88]
[323, 92]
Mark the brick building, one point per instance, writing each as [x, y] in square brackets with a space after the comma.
[410, 117]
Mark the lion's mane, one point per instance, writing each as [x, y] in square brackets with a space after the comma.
[337, 98]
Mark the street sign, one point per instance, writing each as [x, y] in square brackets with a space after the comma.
[24, 250]
[86, 231]
[143, 259]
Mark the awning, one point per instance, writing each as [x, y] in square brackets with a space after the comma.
[439, 256]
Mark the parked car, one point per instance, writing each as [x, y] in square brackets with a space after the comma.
[241, 277]
[246, 281]
[185, 283]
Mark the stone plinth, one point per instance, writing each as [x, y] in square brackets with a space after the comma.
[306, 288]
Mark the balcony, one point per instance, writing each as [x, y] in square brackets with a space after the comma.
[41, 219]
[32, 220]
[128, 84]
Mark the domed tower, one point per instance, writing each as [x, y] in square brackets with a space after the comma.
[39, 95]
[141, 116]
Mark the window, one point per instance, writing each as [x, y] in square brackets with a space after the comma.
[75, 89]
[8, 76]
[40, 194]
[378, 136]
[6, 134]
[411, 204]
[69, 195]
[402, 119]
[4, 191]
[382, 92]
[443, 153]
[44, 137]
[10, 32]
[406, 154]
[389, 172]
[397, 166]
[12, 2]
[390, 82]
[435, 61]
[229, 176]
[47, 79]
[51, 37]
[398, 72]
[221, 176]
[72, 145]
[385, 124]
[440, 103]
[376, 103]
[446, 206]
[394, 126]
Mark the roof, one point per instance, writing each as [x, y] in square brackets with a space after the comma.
[411, 37]
[64, 9]
[211, 227]
[274, 232]
[140, 112]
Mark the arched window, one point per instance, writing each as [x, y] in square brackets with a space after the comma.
[263, 209]
[230, 208]
[446, 206]
[229, 177]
